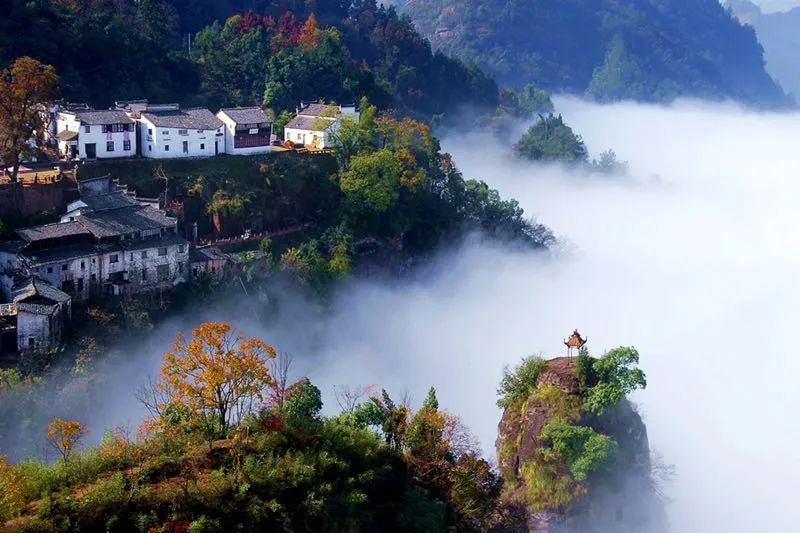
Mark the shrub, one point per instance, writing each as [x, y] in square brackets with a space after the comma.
[581, 448]
[517, 383]
[616, 375]
[205, 525]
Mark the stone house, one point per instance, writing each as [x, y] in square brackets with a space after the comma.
[208, 259]
[105, 244]
[43, 313]
[314, 124]
[248, 130]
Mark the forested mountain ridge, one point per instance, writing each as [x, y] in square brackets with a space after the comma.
[650, 50]
[107, 50]
[778, 33]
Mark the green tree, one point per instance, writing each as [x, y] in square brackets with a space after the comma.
[372, 182]
[431, 402]
[617, 376]
[518, 382]
[581, 447]
[550, 139]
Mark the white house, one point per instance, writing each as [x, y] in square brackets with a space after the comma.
[169, 132]
[248, 130]
[86, 133]
[314, 123]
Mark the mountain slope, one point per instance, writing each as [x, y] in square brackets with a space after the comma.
[651, 50]
[778, 33]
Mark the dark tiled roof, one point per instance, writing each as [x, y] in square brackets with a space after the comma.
[246, 115]
[67, 135]
[320, 110]
[67, 253]
[205, 254]
[12, 246]
[106, 201]
[125, 220]
[309, 123]
[51, 231]
[108, 116]
[34, 286]
[190, 119]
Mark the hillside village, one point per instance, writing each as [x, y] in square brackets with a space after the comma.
[108, 241]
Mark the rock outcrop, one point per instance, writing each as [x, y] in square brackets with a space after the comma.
[619, 498]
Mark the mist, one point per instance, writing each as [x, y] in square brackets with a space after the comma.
[691, 257]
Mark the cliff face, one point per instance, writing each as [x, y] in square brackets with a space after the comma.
[619, 497]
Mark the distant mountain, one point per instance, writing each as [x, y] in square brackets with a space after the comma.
[651, 50]
[779, 34]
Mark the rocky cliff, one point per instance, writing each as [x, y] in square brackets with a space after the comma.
[550, 454]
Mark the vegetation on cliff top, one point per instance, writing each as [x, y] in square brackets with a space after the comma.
[557, 400]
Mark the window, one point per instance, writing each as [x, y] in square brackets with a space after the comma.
[83, 265]
[144, 254]
[114, 258]
[149, 131]
[166, 148]
[165, 132]
[180, 248]
[131, 256]
[126, 145]
[94, 277]
[80, 284]
[200, 131]
[162, 271]
[63, 267]
[162, 252]
[144, 274]
[93, 260]
[109, 146]
[149, 148]
[49, 270]
[183, 132]
[31, 343]
[185, 147]
[202, 146]
[87, 129]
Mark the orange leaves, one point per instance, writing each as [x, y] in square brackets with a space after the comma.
[310, 35]
[12, 490]
[64, 435]
[216, 376]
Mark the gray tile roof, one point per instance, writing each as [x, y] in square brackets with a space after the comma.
[125, 220]
[309, 123]
[321, 110]
[51, 231]
[108, 116]
[152, 242]
[246, 115]
[67, 135]
[67, 253]
[206, 254]
[33, 286]
[106, 201]
[190, 119]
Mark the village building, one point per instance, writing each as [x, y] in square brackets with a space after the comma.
[168, 132]
[85, 133]
[208, 259]
[248, 130]
[43, 314]
[315, 123]
[105, 244]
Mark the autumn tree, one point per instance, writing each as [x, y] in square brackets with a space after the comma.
[216, 376]
[64, 435]
[27, 90]
[310, 34]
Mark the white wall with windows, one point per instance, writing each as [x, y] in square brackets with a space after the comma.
[169, 143]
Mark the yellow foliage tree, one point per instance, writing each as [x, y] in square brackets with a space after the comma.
[12, 490]
[215, 377]
[64, 435]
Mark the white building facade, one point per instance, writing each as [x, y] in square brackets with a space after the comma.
[168, 132]
[314, 123]
[248, 130]
[95, 134]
